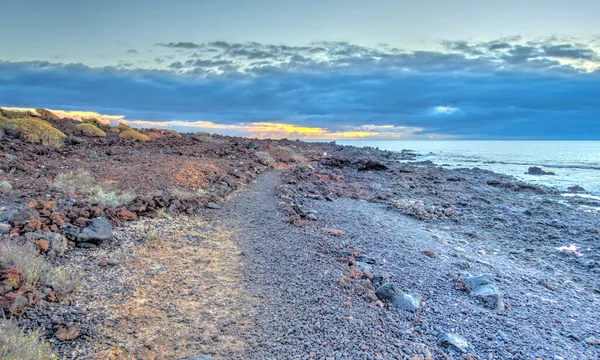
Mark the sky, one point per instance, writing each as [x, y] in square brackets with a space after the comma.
[309, 69]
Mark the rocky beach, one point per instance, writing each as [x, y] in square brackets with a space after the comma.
[195, 246]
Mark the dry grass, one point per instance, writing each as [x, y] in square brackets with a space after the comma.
[33, 130]
[109, 198]
[25, 258]
[134, 135]
[34, 267]
[82, 181]
[91, 130]
[197, 291]
[74, 182]
[18, 345]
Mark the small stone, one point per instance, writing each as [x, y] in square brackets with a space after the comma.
[58, 243]
[102, 263]
[311, 216]
[68, 331]
[113, 262]
[32, 204]
[592, 341]
[429, 253]
[453, 340]
[5, 227]
[42, 245]
[355, 273]
[212, 205]
[33, 225]
[86, 245]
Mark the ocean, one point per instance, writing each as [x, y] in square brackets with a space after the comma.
[573, 162]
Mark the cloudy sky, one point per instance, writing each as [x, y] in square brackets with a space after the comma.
[327, 69]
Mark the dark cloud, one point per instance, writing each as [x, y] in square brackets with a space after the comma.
[489, 102]
[132, 51]
[508, 53]
[569, 51]
[180, 45]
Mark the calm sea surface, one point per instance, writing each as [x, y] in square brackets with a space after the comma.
[574, 162]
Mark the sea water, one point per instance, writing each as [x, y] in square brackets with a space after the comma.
[573, 162]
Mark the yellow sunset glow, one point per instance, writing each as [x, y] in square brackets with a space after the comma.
[274, 130]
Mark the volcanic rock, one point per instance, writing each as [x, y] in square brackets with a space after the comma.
[454, 341]
[482, 287]
[98, 231]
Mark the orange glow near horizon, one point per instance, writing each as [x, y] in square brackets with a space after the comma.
[258, 129]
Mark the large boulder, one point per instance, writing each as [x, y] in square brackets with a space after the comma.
[98, 231]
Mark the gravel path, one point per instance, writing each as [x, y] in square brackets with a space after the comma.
[303, 311]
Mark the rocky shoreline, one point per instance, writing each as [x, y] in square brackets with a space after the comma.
[344, 253]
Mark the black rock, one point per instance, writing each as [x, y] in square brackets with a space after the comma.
[97, 231]
[71, 231]
[386, 292]
[86, 245]
[534, 170]
[576, 188]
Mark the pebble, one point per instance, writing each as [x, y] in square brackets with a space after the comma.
[212, 205]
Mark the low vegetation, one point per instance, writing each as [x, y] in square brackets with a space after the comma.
[83, 182]
[46, 114]
[91, 130]
[134, 135]
[26, 258]
[33, 130]
[152, 235]
[120, 128]
[109, 198]
[5, 187]
[74, 182]
[15, 344]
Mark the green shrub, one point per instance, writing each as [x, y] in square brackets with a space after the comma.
[172, 133]
[33, 130]
[109, 198]
[5, 187]
[134, 135]
[46, 114]
[14, 114]
[162, 214]
[15, 344]
[120, 128]
[94, 121]
[152, 235]
[74, 182]
[91, 130]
